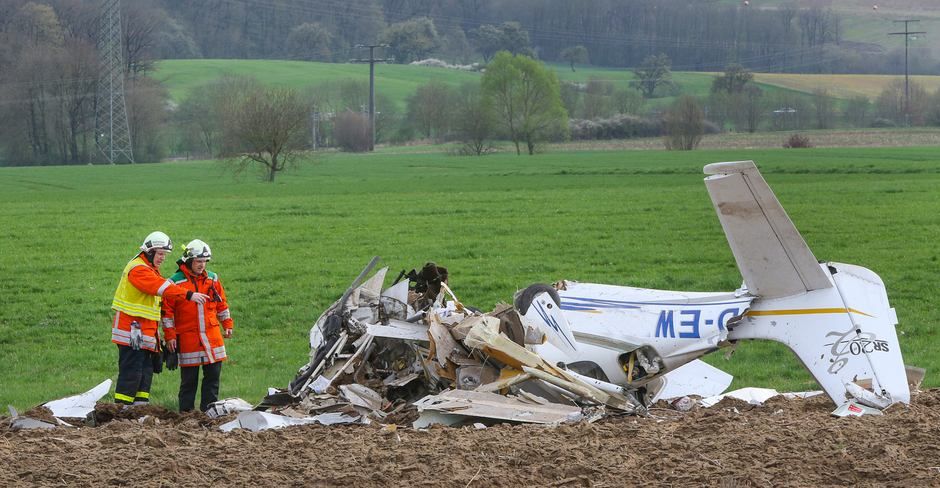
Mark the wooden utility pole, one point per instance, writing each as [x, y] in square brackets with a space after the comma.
[372, 60]
[907, 83]
[314, 120]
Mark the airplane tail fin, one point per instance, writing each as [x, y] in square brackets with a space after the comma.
[771, 254]
[835, 317]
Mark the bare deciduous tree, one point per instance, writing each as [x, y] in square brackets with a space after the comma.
[73, 94]
[199, 118]
[428, 108]
[685, 124]
[597, 99]
[264, 127]
[38, 24]
[140, 23]
[472, 119]
[146, 118]
[825, 105]
[627, 101]
[352, 131]
[749, 108]
[858, 111]
[891, 103]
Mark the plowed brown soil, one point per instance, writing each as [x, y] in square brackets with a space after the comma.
[783, 443]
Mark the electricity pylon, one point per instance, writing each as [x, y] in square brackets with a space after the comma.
[112, 133]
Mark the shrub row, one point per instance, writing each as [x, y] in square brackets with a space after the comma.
[623, 126]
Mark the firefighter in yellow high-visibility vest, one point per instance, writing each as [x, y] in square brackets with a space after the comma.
[136, 308]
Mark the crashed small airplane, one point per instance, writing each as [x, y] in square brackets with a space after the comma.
[835, 317]
[562, 350]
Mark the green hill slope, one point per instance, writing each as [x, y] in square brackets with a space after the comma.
[394, 81]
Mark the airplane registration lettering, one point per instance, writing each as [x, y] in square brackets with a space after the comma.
[664, 326]
[690, 323]
[696, 315]
[724, 315]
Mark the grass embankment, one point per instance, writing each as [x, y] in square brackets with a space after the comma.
[287, 250]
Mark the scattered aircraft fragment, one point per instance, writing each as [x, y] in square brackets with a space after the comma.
[755, 396]
[78, 406]
[75, 407]
[18, 422]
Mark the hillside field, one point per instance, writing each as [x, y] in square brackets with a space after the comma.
[398, 82]
[287, 250]
[395, 81]
[843, 86]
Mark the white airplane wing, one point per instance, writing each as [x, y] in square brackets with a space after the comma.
[771, 254]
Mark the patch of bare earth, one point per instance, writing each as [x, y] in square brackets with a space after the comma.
[788, 443]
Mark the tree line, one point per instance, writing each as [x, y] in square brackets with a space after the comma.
[48, 70]
[694, 34]
[48, 77]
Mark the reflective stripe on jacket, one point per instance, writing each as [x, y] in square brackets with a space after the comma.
[122, 336]
[197, 327]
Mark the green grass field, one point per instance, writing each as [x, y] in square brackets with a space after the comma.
[286, 250]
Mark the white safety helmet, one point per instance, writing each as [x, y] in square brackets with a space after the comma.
[197, 249]
[156, 240]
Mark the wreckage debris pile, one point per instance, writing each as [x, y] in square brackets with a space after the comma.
[414, 352]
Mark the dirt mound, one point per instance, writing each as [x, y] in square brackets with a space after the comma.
[150, 415]
[784, 442]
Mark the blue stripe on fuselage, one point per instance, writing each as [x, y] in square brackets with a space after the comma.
[594, 303]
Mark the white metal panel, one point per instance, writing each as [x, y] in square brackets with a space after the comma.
[694, 378]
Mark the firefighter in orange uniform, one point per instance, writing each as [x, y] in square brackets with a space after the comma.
[136, 308]
[196, 330]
